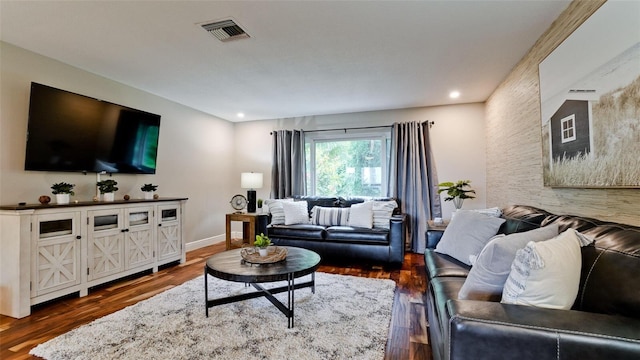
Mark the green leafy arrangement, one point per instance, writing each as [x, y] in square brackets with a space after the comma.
[107, 186]
[149, 187]
[62, 188]
[262, 241]
[460, 189]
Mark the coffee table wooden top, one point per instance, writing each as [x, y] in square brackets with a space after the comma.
[228, 265]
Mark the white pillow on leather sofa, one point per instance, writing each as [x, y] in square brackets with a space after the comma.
[467, 233]
[546, 274]
[492, 267]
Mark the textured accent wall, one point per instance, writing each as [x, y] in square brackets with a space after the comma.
[514, 149]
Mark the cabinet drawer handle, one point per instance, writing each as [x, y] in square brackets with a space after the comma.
[78, 237]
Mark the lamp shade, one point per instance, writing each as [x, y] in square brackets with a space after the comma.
[251, 180]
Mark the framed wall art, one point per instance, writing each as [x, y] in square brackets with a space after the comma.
[590, 102]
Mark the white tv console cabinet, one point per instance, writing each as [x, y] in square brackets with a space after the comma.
[47, 251]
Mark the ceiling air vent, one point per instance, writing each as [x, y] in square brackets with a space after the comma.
[225, 30]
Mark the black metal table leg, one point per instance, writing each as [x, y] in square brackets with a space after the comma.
[206, 292]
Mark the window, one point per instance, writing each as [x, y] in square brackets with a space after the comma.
[353, 164]
[568, 125]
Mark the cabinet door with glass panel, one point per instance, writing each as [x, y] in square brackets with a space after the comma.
[105, 243]
[56, 242]
[169, 233]
[139, 244]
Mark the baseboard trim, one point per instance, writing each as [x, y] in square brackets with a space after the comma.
[204, 242]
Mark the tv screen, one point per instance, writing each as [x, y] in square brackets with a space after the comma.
[72, 132]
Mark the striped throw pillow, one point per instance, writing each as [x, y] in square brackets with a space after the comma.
[274, 207]
[382, 211]
[329, 216]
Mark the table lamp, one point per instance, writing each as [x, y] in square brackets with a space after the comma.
[251, 181]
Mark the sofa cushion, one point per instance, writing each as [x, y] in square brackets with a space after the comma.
[491, 269]
[329, 216]
[307, 231]
[357, 235]
[441, 265]
[361, 215]
[466, 235]
[547, 273]
[295, 212]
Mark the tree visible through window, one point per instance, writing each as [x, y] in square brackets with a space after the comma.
[347, 166]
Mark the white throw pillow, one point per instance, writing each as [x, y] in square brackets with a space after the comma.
[546, 274]
[490, 270]
[295, 212]
[467, 233]
[361, 215]
[329, 216]
[382, 211]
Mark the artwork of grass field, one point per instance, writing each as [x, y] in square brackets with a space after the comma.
[615, 158]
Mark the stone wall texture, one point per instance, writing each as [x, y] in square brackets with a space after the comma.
[514, 145]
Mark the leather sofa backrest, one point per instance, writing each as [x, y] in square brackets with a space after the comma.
[323, 201]
[326, 201]
[521, 218]
[610, 276]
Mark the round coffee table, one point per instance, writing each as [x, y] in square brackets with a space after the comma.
[230, 266]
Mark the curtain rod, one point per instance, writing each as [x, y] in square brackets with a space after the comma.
[345, 129]
[430, 123]
[353, 128]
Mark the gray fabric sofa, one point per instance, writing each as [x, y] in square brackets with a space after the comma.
[604, 322]
[340, 243]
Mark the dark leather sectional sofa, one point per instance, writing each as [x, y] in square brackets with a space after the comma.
[341, 243]
[604, 322]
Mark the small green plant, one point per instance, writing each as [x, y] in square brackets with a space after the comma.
[457, 191]
[262, 241]
[62, 188]
[107, 186]
[259, 203]
[149, 187]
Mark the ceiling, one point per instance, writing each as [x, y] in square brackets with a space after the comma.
[302, 58]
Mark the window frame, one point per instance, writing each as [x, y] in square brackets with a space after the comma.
[565, 128]
[312, 138]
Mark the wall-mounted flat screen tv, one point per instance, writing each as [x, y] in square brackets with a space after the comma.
[72, 132]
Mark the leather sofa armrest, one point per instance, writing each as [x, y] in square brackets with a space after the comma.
[491, 330]
[433, 238]
[397, 230]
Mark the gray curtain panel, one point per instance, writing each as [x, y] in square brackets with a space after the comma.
[413, 179]
[288, 171]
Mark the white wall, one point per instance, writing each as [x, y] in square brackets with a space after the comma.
[458, 142]
[201, 156]
[193, 155]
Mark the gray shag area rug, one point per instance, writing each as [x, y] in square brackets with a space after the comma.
[347, 318]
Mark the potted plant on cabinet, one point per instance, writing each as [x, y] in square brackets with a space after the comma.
[457, 192]
[107, 189]
[62, 191]
[262, 242]
[147, 190]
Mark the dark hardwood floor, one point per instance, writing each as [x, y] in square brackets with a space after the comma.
[407, 335]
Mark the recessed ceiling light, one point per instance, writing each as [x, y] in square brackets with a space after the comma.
[454, 94]
[240, 115]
